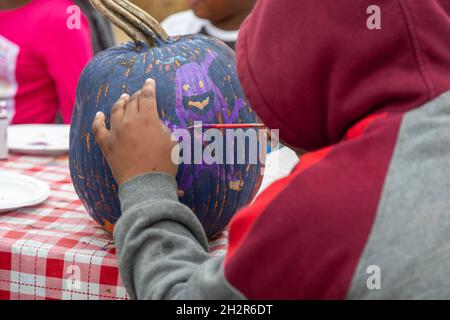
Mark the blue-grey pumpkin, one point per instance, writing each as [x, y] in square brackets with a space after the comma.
[196, 81]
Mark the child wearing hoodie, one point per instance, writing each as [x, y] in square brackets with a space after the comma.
[217, 18]
[370, 200]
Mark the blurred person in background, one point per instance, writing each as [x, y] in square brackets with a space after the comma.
[101, 31]
[41, 58]
[217, 18]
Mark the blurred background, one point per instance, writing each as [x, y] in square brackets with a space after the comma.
[159, 9]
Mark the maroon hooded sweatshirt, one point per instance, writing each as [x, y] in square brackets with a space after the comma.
[366, 213]
[314, 70]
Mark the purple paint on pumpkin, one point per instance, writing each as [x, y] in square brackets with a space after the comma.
[199, 99]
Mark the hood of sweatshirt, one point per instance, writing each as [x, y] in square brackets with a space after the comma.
[314, 68]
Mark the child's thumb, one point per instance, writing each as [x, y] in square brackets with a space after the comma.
[99, 129]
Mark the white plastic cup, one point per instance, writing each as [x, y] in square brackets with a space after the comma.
[3, 130]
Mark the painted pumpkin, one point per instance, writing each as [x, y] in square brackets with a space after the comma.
[196, 81]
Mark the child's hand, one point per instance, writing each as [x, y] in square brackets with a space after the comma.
[138, 142]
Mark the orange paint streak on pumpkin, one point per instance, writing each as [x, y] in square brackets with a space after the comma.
[216, 203]
[106, 89]
[130, 65]
[88, 145]
[99, 93]
[208, 203]
[108, 226]
[222, 206]
[236, 185]
[144, 59]
[217, 188]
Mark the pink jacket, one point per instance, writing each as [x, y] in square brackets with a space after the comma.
[41, 59]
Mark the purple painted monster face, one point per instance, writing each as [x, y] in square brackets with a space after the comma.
[198, 98]
[197, 92]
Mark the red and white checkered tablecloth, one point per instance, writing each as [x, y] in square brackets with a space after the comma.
[55, 250]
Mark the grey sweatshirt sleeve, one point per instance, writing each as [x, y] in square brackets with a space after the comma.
[162, 248]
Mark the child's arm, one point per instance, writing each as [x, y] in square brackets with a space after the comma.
[162, 248]
[161, 245]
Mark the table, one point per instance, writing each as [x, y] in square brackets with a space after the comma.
[55, 250]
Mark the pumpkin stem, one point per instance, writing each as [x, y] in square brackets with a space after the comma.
[135, 22]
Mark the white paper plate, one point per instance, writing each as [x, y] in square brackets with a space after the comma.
[18, 191]
[279, 164]
[39, 139]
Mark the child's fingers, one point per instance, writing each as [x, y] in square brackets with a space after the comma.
[147, 100]
[118, 109]
[180, 193]
[133, 104]
[99, 130]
